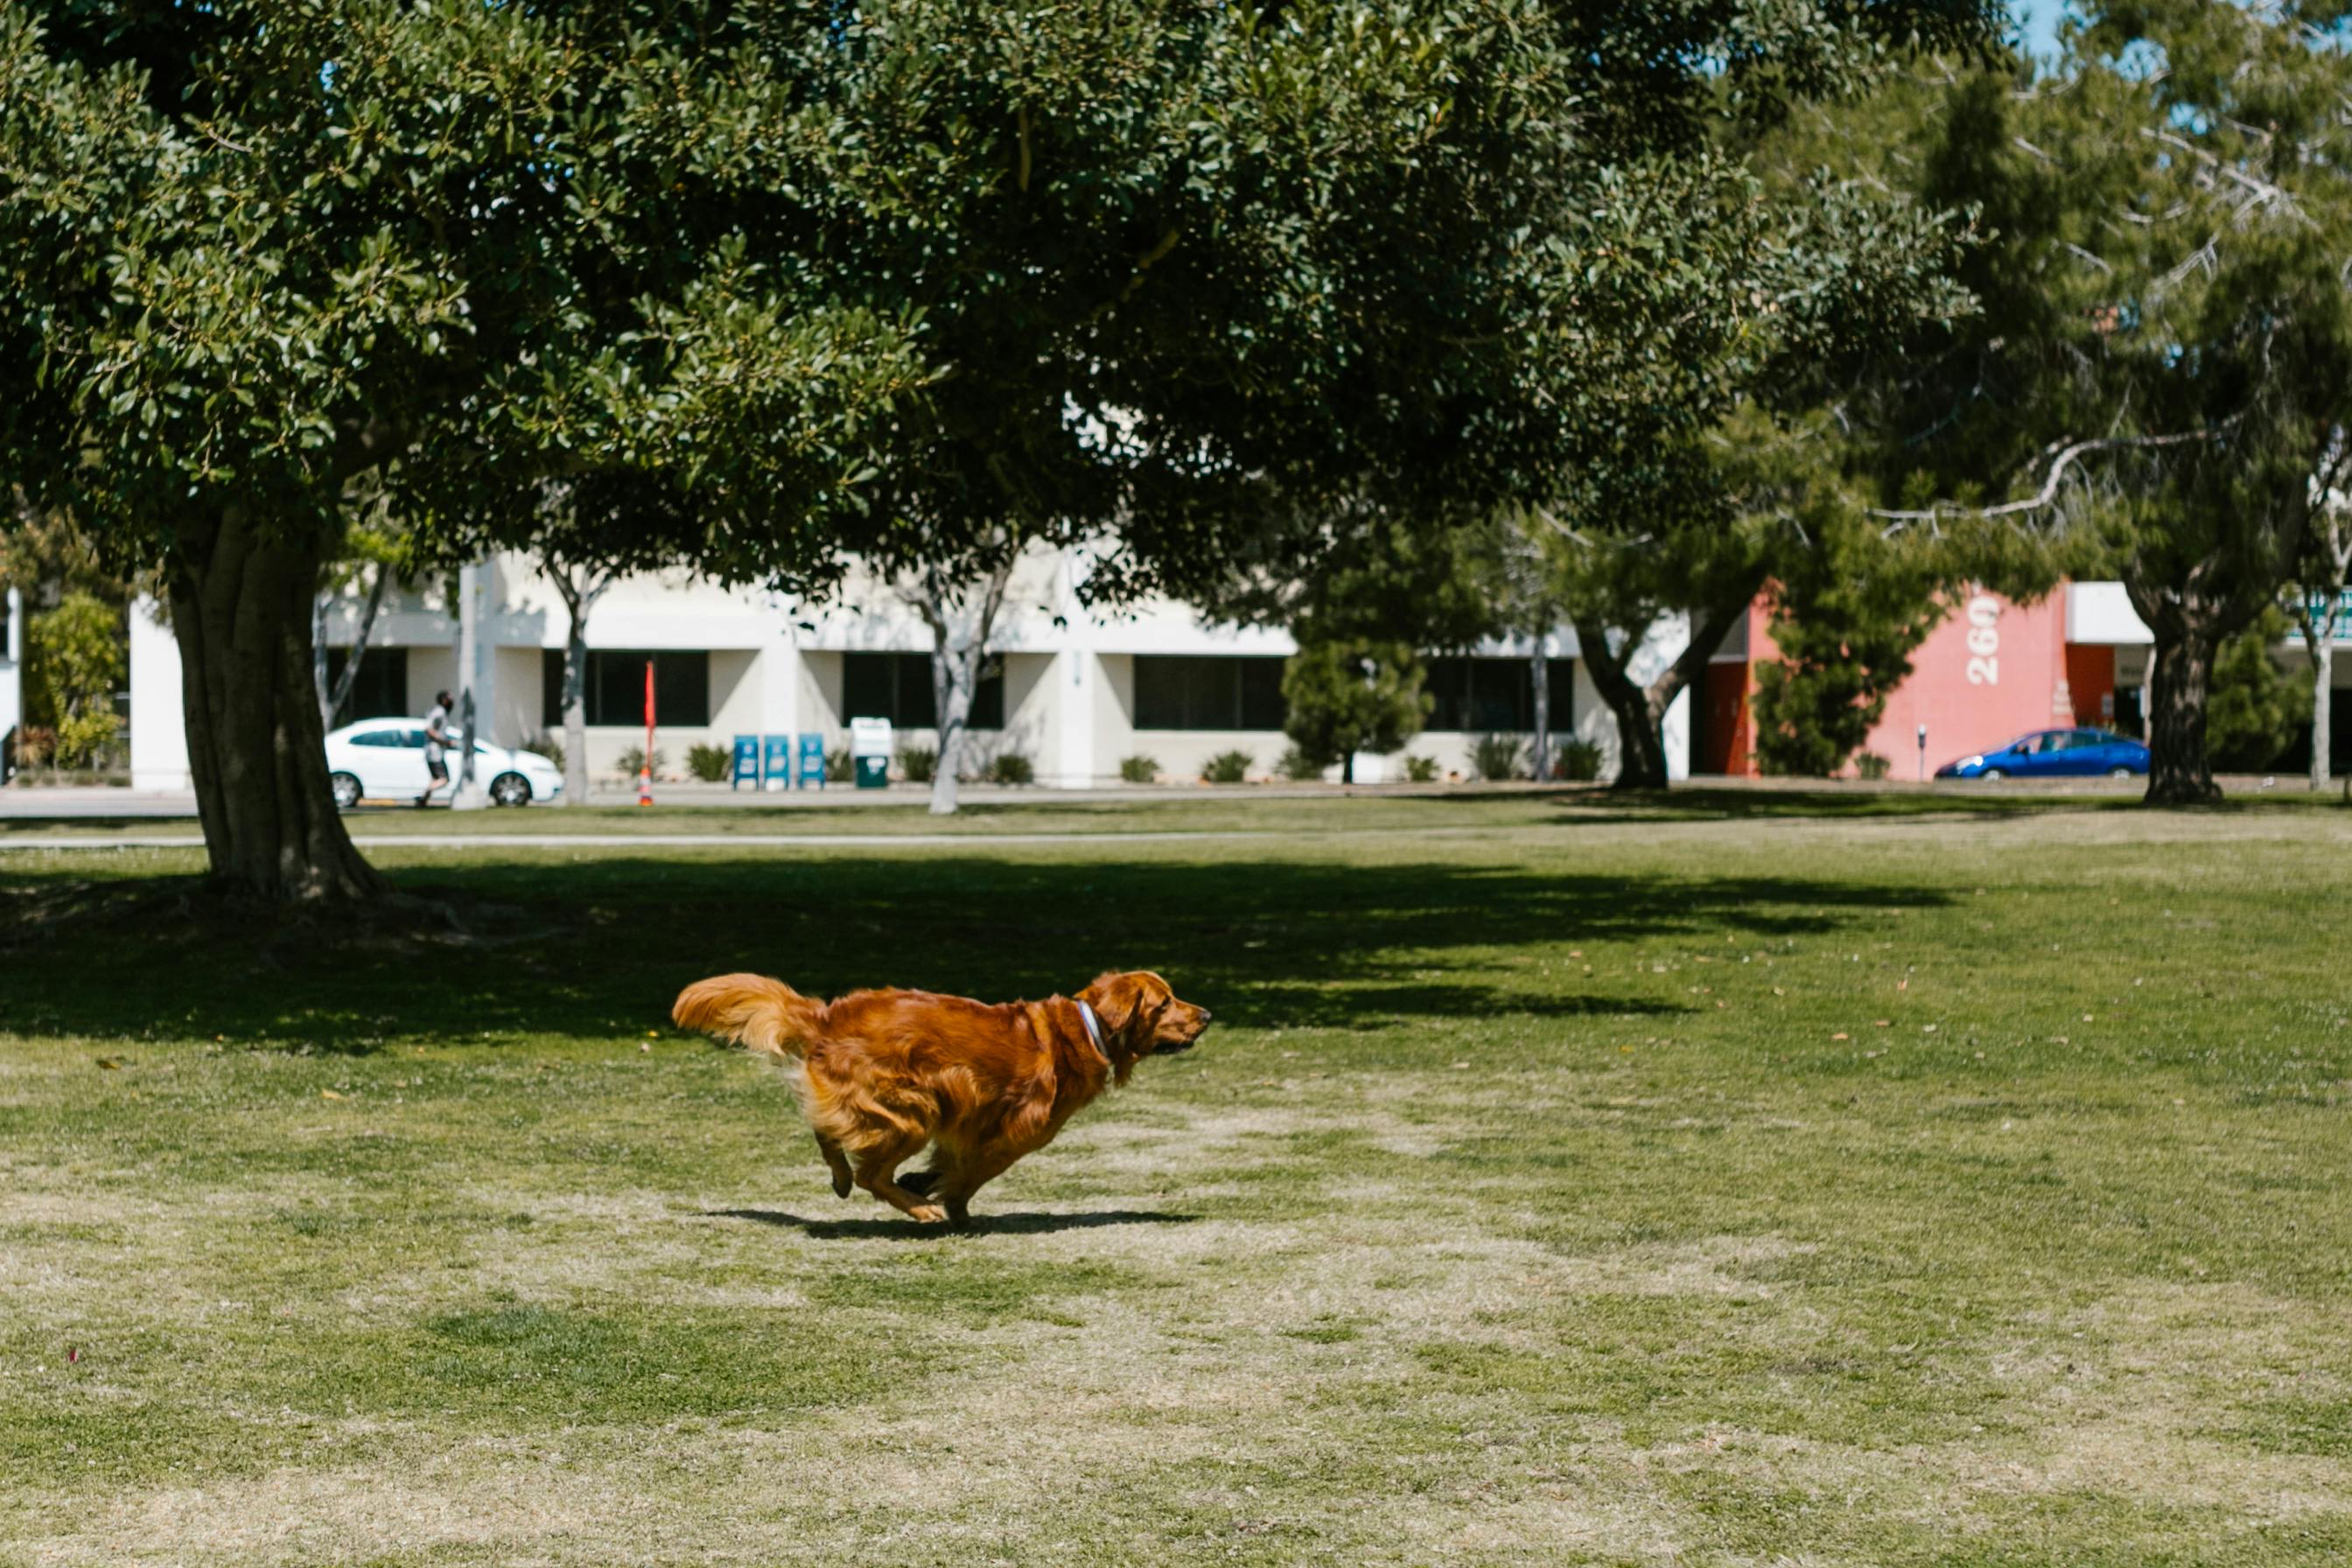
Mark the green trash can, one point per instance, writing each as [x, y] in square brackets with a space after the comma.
[869, 745]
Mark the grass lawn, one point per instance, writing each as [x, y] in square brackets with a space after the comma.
[1562, 1183]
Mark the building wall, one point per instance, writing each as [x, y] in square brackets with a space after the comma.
[777, 668]
[1992, 670]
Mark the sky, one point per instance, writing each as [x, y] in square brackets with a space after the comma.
[2040, 19]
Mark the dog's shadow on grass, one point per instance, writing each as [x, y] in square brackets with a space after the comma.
[900, 1230]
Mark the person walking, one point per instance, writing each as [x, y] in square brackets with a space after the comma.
[437, 742]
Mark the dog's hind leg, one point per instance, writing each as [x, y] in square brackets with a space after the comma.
[968, 1175]
[835, 1162]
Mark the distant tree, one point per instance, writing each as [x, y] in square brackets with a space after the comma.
[1846, 622]
[1348, 695]
[2254, 709]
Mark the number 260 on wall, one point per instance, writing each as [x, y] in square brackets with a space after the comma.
[1984, 640]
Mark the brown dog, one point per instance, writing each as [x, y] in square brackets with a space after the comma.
[882, 1073]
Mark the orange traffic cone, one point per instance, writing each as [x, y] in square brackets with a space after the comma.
[644, 786]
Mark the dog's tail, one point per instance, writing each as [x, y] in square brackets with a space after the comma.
[752, 1010]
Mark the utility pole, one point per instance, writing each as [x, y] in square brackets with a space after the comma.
[473, 682]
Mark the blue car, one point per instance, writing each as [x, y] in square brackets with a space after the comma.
[2054, 754]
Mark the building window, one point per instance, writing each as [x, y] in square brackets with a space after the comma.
[615, 687]
[898, 687]
[1208, 691]
[379, 691]
[1481, 696]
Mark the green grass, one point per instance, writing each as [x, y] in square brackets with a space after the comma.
[1525, 1205]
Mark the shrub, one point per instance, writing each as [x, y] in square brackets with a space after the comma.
[632, 762]
[548, 746]
[1870, 765]
[2254, 709]
[918, 765]
[1295, 764]
[1419, 770]
[1499, 757]
[840, 767]
[1138, 768]
[36, 744]
[1012, 768]
[709, 764]
[1579, 762]
[86, 740]
[1227, 767]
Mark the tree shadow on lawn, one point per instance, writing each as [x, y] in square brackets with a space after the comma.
[898, 1227]
[598, 947]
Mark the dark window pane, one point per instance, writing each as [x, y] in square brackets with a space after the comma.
[898, 687]
[1562, 713]
[615, 690]
[381, 689]
[1207, 691]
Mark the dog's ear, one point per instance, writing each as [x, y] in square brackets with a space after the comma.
[1116, 999]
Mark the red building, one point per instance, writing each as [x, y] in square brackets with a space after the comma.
[1991, 670]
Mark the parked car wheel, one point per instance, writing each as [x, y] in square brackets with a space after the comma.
[347, 791]
[510, 789]
[1993, 774]
[2122, 773]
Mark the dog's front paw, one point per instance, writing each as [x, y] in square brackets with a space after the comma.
[841, 1185]
[929, 1213]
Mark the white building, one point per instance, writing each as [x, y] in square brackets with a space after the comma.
[1074, 690]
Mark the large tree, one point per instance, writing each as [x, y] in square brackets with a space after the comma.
[2158, 370]
[257, 255]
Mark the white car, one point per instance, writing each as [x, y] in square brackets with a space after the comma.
[384, 759]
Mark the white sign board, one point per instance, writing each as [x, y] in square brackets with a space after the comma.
[869, 737]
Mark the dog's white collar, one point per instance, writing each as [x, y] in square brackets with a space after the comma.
[1094, 1032]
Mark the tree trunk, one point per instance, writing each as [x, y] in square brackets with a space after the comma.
[575, 713]
[961, 617]
[2322, 713]
[955, 678]
[1641, 710]
[1347, 767]
[1540, 673]
[2180, 772]
[241, 612]
[579, 588]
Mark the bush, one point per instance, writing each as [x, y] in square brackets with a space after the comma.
[2253, 709]
[1012, 768]
[37, 745]
[548, 746]
[918, 765]
[709, 764]
[86, 740]
[632, 762]
[1579, 762]
[840, 767]
[1870, 765]
[1138, 768]
[1227, 767]
[1419, 770]
[1499, 757]
[1295, 764]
